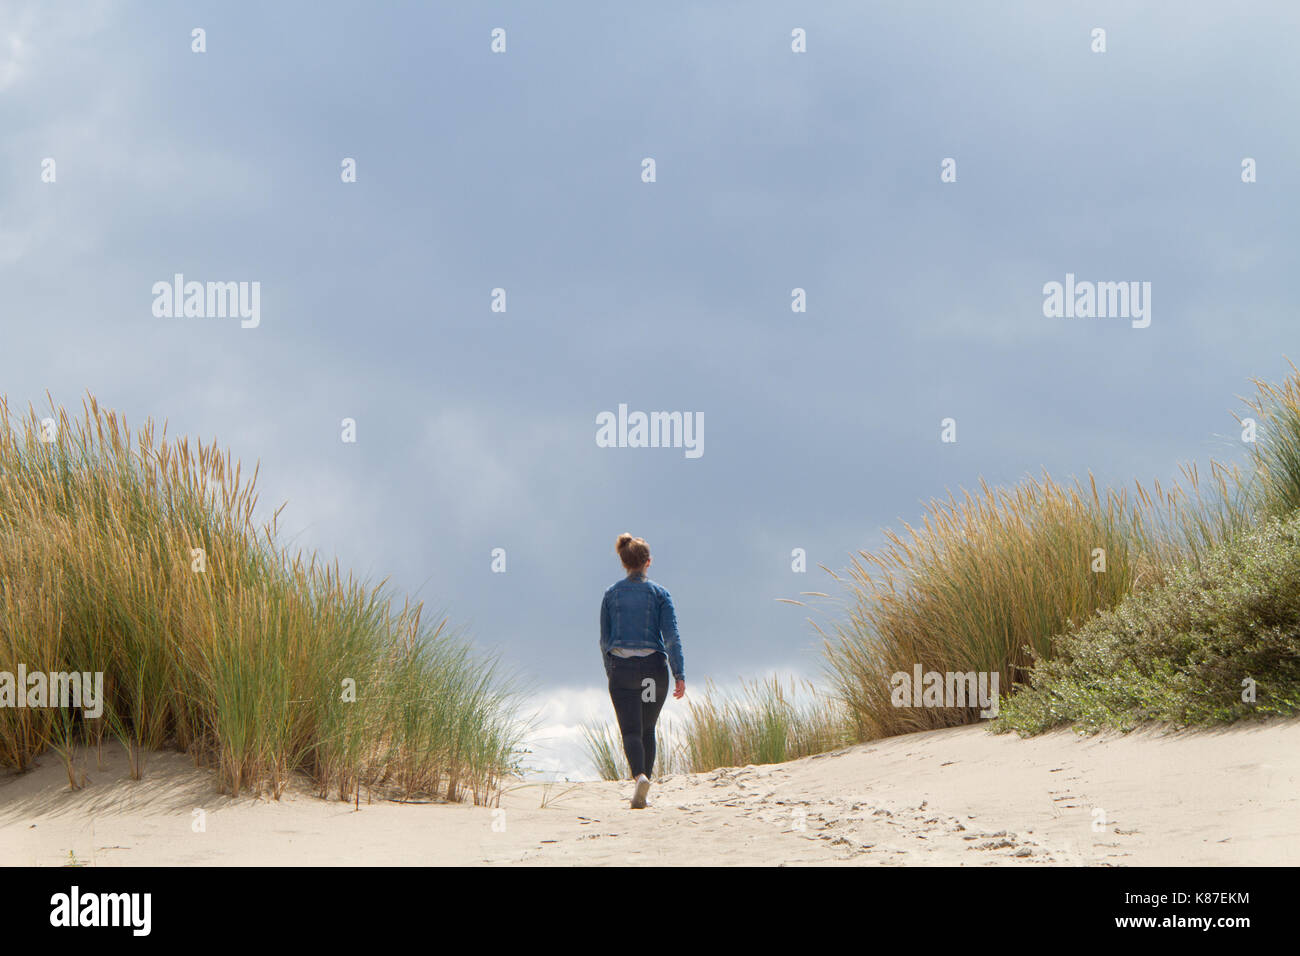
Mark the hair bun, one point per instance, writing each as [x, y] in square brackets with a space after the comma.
[633, 552]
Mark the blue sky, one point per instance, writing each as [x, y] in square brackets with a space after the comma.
[522, 171]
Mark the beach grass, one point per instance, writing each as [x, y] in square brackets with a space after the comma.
[1218, 640]
[982, 584]
[765, 721]
[604, 746]
[1004, 580]
[137, 555]
[1275, 454]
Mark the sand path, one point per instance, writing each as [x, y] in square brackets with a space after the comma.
[950, 797]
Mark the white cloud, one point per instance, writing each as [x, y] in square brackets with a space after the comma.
[32, 33]
[15, 30]
[556, 741]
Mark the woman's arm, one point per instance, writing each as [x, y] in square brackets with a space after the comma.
[605, 627]
[672, 640]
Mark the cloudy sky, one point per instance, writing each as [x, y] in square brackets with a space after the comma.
[522, 171]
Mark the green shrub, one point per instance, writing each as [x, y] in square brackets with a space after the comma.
[1181, 651]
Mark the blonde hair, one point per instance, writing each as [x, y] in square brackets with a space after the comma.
[633, 552]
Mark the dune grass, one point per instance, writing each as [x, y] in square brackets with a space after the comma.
[986, 581]
[604, 747]
[1275, 489]
[765, 722]
[993, 580]
[137, 556]
[1217, 640]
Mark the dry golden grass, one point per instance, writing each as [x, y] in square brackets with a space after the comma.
[765, 722]
[989, 578]
[1276, 454]
[137, 556]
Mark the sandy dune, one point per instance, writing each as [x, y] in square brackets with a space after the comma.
[950, 797]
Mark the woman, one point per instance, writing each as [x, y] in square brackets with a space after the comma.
[638, 639]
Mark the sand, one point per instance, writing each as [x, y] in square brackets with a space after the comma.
[951, 797]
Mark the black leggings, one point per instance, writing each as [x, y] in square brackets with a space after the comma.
[638, 687]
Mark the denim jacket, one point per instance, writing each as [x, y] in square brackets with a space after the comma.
[638, 614]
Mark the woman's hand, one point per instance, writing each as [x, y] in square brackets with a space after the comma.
[680, 690]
